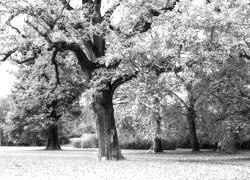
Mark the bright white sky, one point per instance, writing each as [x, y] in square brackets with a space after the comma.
[6, 79]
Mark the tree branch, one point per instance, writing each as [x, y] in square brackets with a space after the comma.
[245, 55]
[122, 80]
[143, 26]
[46, 37]
[66, 5]
[114, 65]
[16, 29]
[53, 62]
[8, 22]
[8, 54]
[86, 65]
[179, 99]
[28, 60]
[110, 11]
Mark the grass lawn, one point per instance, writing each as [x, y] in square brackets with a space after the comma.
[35, 163]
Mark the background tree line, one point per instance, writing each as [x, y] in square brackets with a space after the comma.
[175, 68]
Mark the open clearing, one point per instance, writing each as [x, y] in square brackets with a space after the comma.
[35, 163]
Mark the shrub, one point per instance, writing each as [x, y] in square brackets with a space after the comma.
[77, 142]
[140, 143]
[89, 141]
[168, 144]
[245, 144]
[183, 144]
[64, 140]
[137, 144]
[86, 141]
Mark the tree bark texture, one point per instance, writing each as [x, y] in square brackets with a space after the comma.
[52, 138]
[191, 123]
[102, 104]
[192, 131]
[106, 129]
[1, 135]
[156, 146]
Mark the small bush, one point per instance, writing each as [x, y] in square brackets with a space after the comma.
[185, 144]
[245, 145]
[86, 141]
[64, 140]
[138, 144]
[90, 142]
[77, 143]
[146, 144]
[168, 145]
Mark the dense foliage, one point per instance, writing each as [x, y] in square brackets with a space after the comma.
[35, 102]
[188, 61]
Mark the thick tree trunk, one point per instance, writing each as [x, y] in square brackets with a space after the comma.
[191, 116]
[106, 129]
[157, 145]
[52, 138]
[192, 130]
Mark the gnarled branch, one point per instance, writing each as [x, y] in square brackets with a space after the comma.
[122, 80]
[8, 54]
[28, 59]
[83, 60]
[53, 62]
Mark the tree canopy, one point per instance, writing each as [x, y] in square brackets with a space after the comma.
[200, 49]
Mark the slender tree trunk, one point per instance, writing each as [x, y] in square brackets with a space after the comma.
[106, 129]
[52, 138]
[156, 146]
[192, 130]
[191, 119]
[1, 137]
[0, 141]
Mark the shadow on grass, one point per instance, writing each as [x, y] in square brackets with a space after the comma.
[171, 152]
[229, 161]
[91, 151]
[187, 156]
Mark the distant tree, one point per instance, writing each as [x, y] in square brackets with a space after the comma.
[180, 33]
[194, 40]
[225, 104]
[5, 107]
[37, 108]
[140, 105]
[183, 90]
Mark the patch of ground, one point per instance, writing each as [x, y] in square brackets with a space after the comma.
[35, 163]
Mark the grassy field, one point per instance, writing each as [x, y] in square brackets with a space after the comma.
[35, 163]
